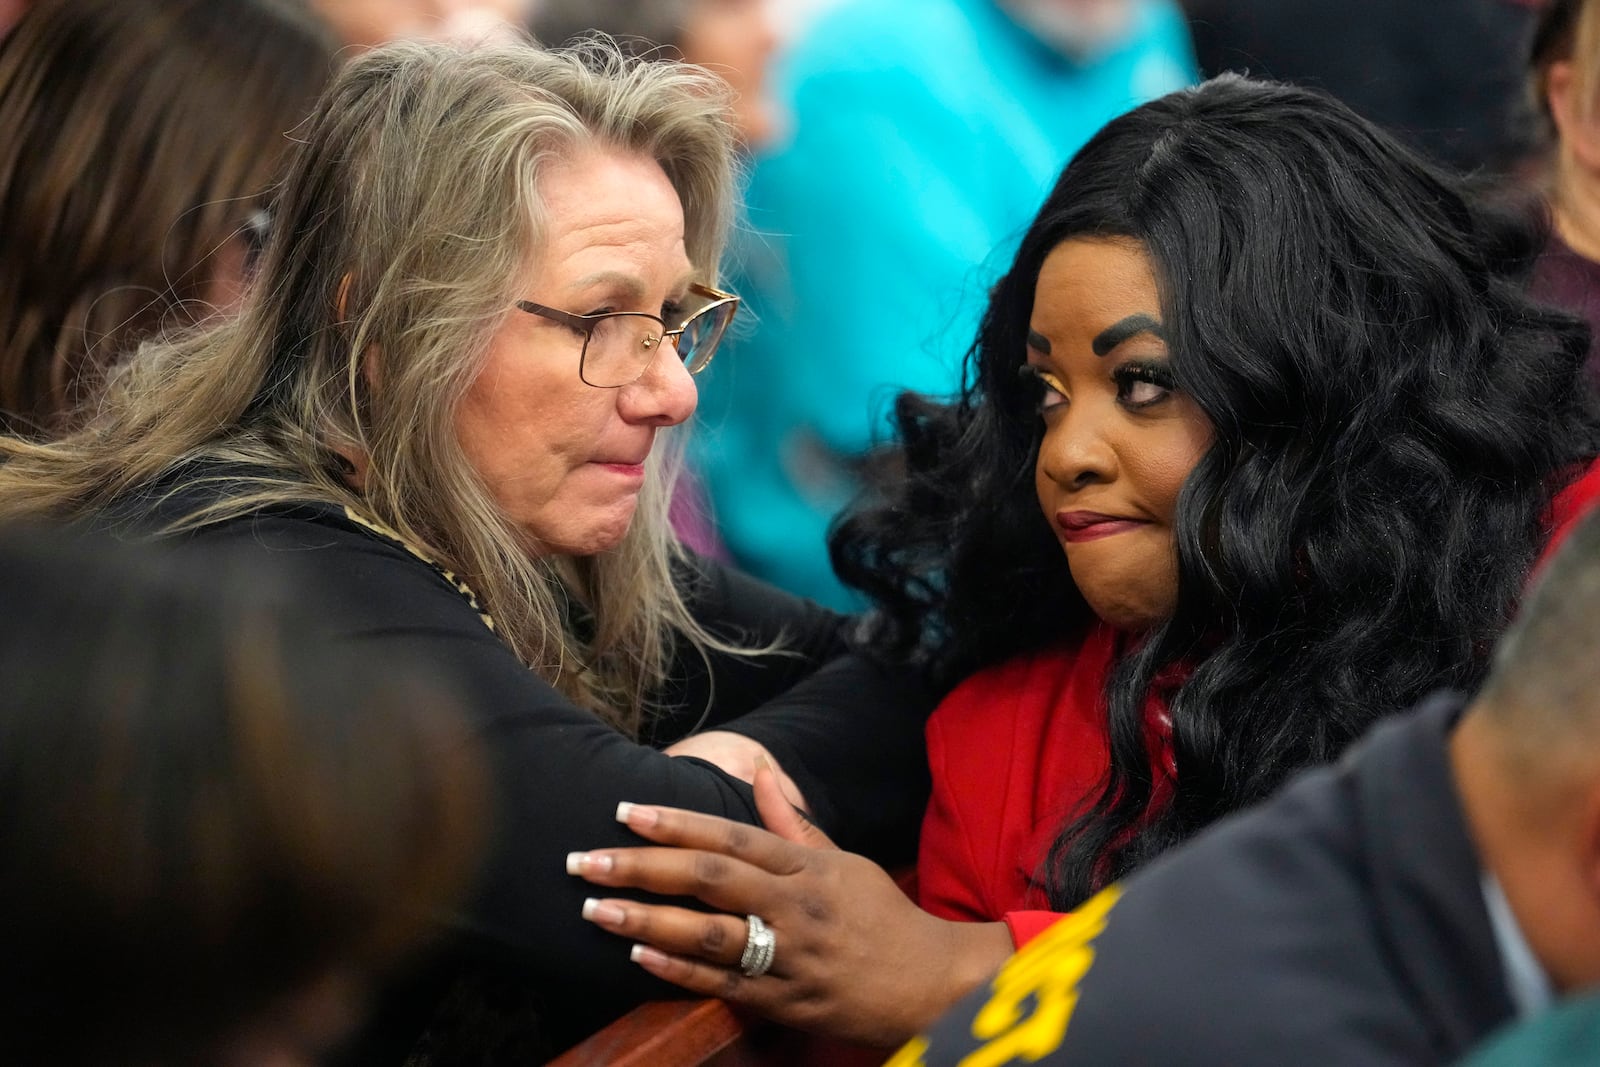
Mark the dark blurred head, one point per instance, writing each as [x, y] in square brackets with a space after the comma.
[142, 139]
[215, 826]
[1526, 764]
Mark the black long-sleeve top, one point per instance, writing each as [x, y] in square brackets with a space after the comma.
[847, 730]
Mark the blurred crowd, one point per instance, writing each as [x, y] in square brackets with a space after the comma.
[239, 817]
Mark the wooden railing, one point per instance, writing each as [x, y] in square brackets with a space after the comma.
[667, 1033]
[707, 1033]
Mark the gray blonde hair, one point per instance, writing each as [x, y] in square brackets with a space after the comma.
[408, 218]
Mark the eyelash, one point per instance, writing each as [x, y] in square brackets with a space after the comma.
[1037, 387]
[1126, 376]
[1136, 372]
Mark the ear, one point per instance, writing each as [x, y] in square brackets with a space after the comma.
[1579, 132]
[1589, 841]
[356, 464]
[341, 300]
[370, 368]
[369, 358]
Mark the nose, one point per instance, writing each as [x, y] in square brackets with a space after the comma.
[664, 395]
[1076, 451]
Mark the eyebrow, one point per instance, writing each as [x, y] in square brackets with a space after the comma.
[1118, 332]
[1039, 342]
[629, 285]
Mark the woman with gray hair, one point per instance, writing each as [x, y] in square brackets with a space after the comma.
[450, 393]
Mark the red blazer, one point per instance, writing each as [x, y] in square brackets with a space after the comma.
[1017, 747]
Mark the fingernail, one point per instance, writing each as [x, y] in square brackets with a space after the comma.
[634, 815]
[587, 863]
[599, 911]
[646, 956]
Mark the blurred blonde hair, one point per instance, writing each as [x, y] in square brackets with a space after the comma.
[408, 219]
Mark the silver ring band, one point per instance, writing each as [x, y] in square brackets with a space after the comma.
[760, 945]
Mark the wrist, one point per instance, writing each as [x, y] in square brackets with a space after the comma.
[975, 951]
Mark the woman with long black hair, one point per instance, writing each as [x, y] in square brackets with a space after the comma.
[1274, 384]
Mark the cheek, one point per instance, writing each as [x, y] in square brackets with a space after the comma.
[1164, 465]
[522, 419]
[529, 438]
[1042, 486]
[1163, 475]
[228, 277]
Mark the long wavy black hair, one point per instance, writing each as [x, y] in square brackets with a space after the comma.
[1392, 416]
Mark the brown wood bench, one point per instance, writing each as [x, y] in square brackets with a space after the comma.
[665, 1033]
[692, 1033]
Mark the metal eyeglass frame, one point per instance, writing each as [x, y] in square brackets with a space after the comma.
[585, 325]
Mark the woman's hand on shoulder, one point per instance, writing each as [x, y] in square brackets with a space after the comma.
[853, 956]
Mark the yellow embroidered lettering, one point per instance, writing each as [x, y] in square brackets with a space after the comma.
[911, 1054]
[1035, 992]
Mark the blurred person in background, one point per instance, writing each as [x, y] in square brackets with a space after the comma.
[921, 137]
[142, 141]
[1443, 75]
[1568, 1035]
[734, 39]
[217, 829]
[366, 24]
[1564, 83]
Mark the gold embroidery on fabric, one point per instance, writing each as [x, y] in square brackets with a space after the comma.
[460, 584]
[1045, 977]
[911, 1055]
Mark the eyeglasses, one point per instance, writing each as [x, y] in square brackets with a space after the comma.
[619, 346]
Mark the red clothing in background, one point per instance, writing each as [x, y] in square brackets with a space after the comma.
[1017, 748]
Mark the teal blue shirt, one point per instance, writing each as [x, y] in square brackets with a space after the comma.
[925, 135]
[1567, 1035]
